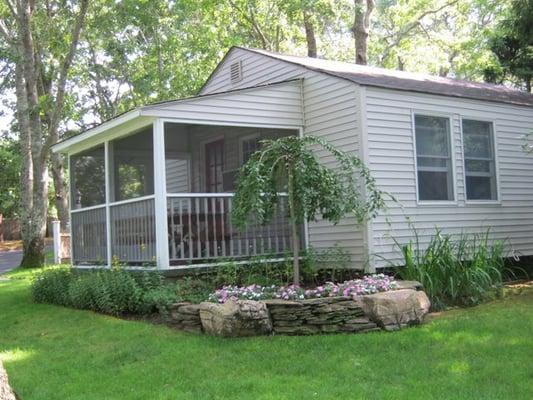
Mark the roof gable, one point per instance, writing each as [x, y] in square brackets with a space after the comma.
[399, 80]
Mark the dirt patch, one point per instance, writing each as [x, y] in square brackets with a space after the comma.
[10, 245]
[518, 287]
[6, 393]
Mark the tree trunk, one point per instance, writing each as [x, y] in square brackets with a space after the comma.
[61, 190]
[33, 235]
[26, 175]
[294, 228]
[36, 140]
[360, 29]
[309, 35]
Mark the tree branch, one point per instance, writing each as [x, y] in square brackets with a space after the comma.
[4, 31]
[60, 91]
[409, 27]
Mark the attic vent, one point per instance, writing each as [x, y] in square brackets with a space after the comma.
[236, 72]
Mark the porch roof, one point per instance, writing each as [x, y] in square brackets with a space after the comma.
[272, 105]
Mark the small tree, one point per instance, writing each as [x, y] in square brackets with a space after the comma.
[289, 167]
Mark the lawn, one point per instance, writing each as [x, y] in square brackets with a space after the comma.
[52, 352]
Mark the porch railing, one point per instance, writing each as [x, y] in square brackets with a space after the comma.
[199, 231]
[200, 228]
[133, 231]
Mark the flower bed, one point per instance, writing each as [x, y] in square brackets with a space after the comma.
[368, 285]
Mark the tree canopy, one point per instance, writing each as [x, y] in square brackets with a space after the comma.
[512, 43]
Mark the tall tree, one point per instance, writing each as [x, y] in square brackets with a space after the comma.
[360, 29]
[512, 45]
[444, 37]
[41, 62]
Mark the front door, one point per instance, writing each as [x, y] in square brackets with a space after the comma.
[214, 165]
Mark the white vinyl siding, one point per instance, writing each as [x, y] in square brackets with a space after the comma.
[330, 111]
[178, 174]
[433, 158]
[479, 157]
[391, 155]
[273, 105]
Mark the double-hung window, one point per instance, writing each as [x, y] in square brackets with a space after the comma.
[480, 166]
[433, 156]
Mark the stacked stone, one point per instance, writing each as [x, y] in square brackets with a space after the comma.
[323, 315]
[185, 316]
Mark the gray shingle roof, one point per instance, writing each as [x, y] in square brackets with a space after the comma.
[402, 80]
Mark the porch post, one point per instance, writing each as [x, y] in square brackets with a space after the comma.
[108, 168]
[160, 193]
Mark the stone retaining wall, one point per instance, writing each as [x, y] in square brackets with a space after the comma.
[185, 316]
[390, 310]
[324, 315]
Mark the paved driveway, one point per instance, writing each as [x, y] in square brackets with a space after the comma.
[9, 260]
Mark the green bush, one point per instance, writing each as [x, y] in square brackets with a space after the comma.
[461, 271]
[316, 266]
[196, 287]
[159, 299]
[52, 286]
[114, 291]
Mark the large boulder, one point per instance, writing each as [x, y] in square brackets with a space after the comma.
[396, 309]
[5, 390]
[235, 318]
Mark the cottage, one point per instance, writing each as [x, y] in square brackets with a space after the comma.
[154, 185]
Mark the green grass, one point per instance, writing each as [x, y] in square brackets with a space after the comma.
[52, 352]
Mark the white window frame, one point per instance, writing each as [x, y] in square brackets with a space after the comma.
[451, 133]
[251, 136]
[496, 201]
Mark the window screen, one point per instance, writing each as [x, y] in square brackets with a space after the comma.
[480, 170]
[434, 163]
[133, 165]
[87, 178]
[249, 145]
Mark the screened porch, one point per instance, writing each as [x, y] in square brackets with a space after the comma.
[163, 194]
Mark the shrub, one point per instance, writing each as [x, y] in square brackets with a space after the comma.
[195, 288]
[317, 265]
[460, 271]
[52, 286]
[158, 299]
[114, 291]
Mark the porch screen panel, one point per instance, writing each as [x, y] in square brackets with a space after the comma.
[89, 240]
[133, 232]
[87, 178]
[133, 166]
